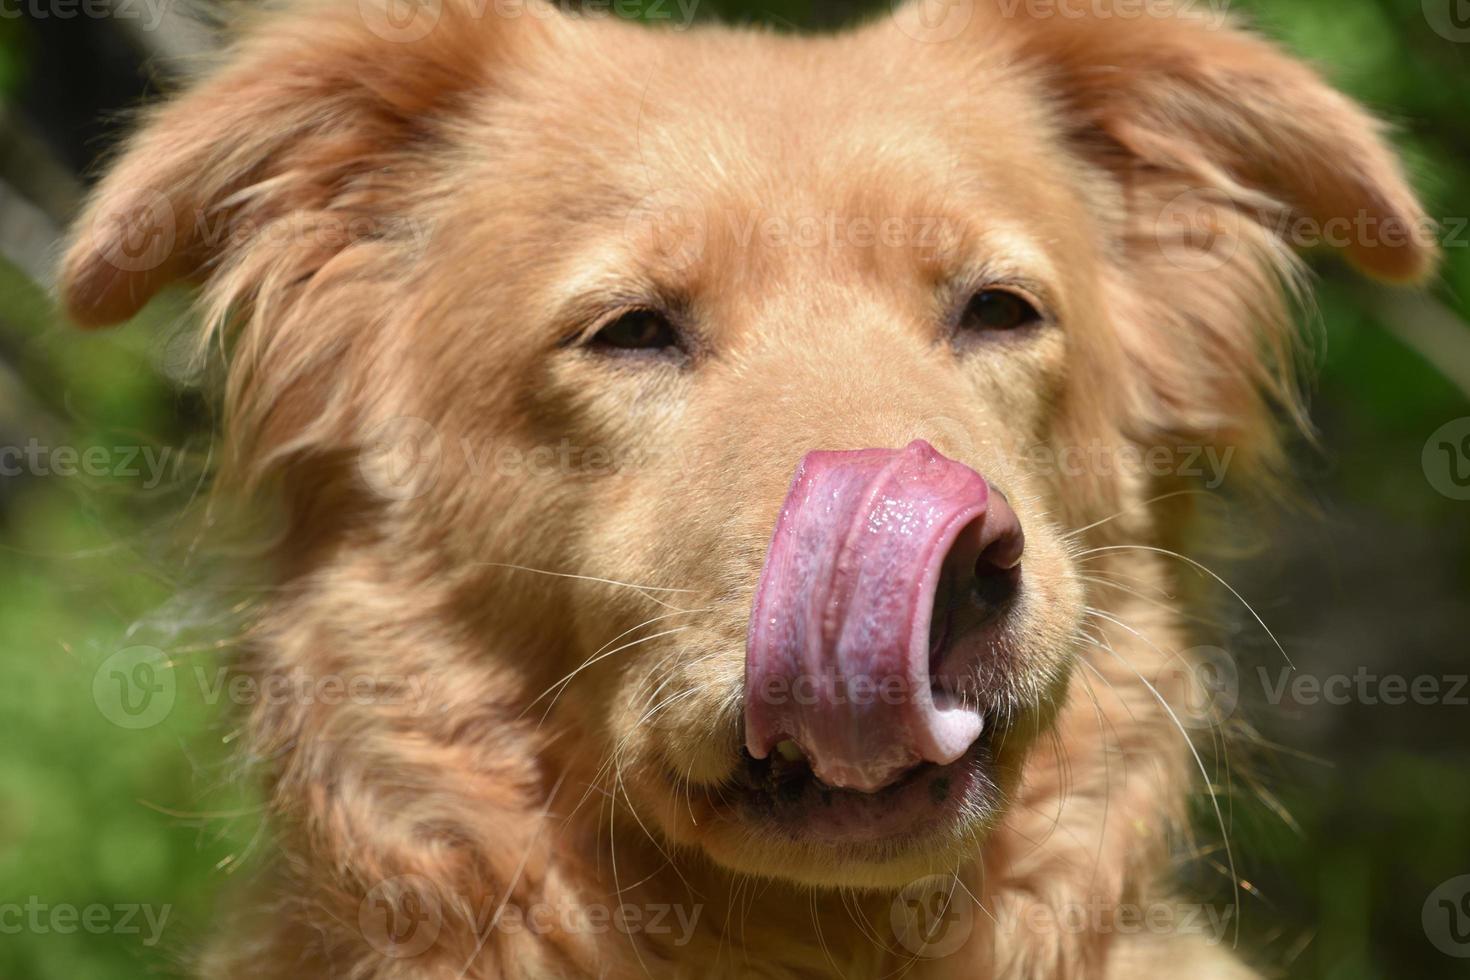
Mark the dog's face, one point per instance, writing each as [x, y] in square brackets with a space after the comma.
[738, 282]
[769, 348]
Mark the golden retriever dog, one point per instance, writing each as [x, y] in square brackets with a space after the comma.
[737, 476]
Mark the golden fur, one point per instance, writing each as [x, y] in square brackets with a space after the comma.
[388, 229]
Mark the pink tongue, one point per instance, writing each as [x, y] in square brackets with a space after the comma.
[837, 656]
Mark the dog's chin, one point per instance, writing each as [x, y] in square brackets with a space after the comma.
[774, 818]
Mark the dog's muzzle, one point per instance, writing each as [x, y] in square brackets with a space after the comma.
[869, 623]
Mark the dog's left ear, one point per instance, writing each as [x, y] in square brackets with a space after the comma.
[1219, 108]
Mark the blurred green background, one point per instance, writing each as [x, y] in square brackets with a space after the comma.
[1344, 818]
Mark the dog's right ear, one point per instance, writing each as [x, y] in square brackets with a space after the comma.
[317, 116]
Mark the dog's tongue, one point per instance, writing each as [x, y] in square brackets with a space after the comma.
[838, 651]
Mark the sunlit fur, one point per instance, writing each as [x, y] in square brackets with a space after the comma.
[413, 229]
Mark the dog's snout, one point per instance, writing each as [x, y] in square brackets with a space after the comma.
[868, 625]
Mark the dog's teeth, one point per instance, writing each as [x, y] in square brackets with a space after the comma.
[789, 750]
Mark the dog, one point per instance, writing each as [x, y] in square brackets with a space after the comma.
[747, 472]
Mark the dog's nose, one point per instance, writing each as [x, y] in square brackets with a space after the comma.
[869, 626]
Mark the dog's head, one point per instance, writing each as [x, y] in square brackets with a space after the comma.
[757, 388]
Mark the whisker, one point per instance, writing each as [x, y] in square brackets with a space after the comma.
[1189, 743]
[1208, 571]
[586, 578]
[1132, 507]
[594, 660]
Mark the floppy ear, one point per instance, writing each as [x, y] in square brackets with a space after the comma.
[317, 115]
[1224, 109]
[1225, 155]
[294, 184]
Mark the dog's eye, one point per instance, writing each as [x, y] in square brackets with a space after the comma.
[998, 309]
[637, 330]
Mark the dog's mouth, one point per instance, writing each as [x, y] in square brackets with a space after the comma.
[782, 795]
